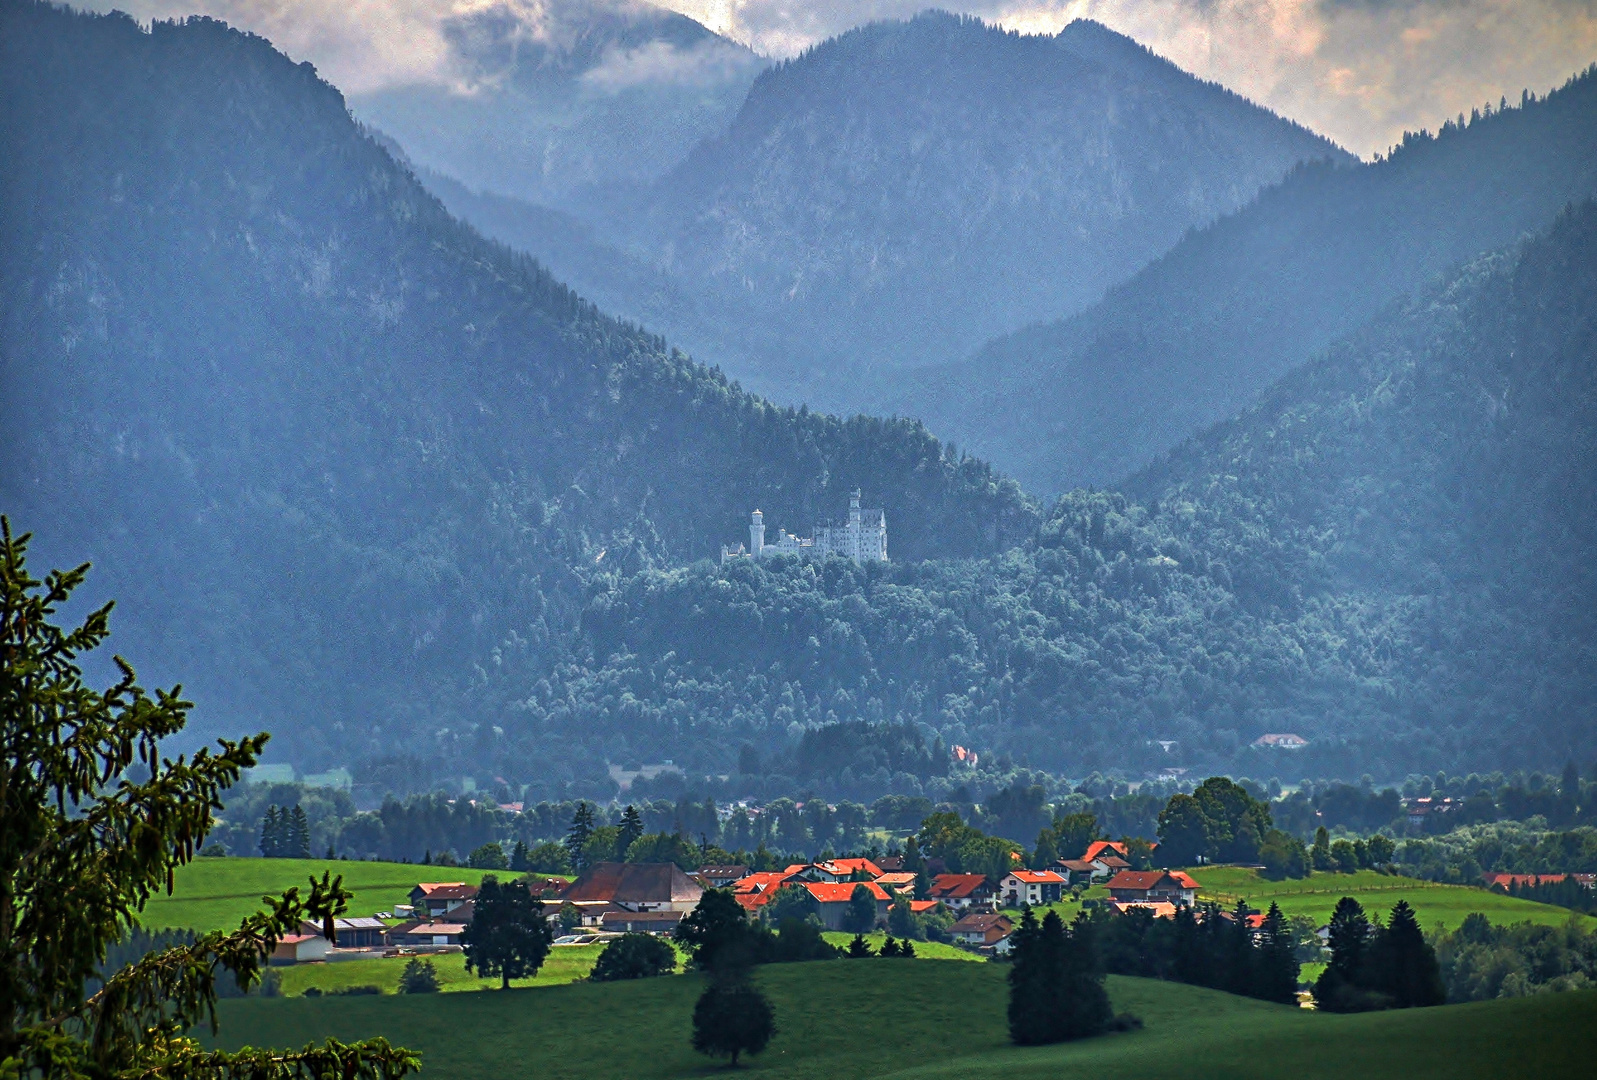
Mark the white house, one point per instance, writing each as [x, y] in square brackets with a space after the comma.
[1031, 887]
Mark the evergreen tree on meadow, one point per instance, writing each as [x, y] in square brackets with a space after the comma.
[577, 835]
[297, 835]
[890, 947]
[84, 847]
[1056, 990]
[271, 834]
[1277, 963]
[508, 937]
[1338, 987]
[859, 948]
[520, 858]
[1404, 963]
[1236, 942]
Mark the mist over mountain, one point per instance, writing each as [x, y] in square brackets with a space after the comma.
[551, 101]
[337, 457]
[1199, 333]
[899, 194]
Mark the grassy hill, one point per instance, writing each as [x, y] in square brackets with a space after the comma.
[879, 1018]
[1435, 904]
[214, 894]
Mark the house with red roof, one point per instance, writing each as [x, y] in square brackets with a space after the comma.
[636, 887]
[720, 877]
[1100, 847]
[832, 899]
[1031, 887]
[847, 868]
[962, 891]
[898, 881]
[1152, 886]
[299, 948]
[437, 897]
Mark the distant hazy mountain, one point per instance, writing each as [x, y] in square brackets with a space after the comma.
[550, 100]
[1197, 335]
[901, 193]
[342, 461]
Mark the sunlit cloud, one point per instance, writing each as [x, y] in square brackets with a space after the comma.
[1360, 71]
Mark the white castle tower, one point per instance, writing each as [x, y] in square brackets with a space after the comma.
[862, 537]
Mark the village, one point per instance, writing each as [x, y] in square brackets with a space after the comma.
[613, 898]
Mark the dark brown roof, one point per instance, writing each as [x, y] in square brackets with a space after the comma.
[662, 918]
[733, 872]
[981, 923]
[958, 885]
[634, 883]
[450, 890]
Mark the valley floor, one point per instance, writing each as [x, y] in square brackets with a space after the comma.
[881, 1018]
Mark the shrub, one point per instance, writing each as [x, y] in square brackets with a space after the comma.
[419, 977]
[634, 956]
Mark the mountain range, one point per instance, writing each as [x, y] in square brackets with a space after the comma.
[564, 102]
[898, 195]
[394, 491]
[1201, 331]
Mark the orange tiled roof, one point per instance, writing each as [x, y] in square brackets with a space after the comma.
[848, 866]
[841, 892]
[1098, 847]
[1036, 877]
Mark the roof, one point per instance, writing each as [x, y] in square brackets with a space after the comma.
[634, 883]
[1148, 879]
[981, 923]
[661, 917]
[957, 885]
[849, 866]
[891, 863]
[728, 871]
[922, 906]
[902, 877]
[841, 892]
[764, 881]
[1101, 847]
[1161, 909]
[1077, 866]
[360, 922]
[436, 928]
[1282, 739]
[1112, 862]
[1036, 877]
[295, 939]
[446, 890]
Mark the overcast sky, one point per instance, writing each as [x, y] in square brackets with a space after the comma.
[1359, 71]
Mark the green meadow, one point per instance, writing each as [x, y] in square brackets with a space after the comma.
[881, 1018]
[214, 894]
[566, 963]
[1436, 905]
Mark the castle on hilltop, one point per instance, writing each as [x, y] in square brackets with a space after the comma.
[863, 537]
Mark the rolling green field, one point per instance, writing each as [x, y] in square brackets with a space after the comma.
[924, 950]
[214, 894]
[565, 964]
[1436, 905]
[878, 1018]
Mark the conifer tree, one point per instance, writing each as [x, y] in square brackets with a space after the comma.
[631, 829]
[520, 858]
[298, 835]
[1337, 989]
[83, 848]
[271, 834]
[859, 948]
[1028, 980]
[579, 832]
[1278, 965]
[1404, 963]
[890, 947]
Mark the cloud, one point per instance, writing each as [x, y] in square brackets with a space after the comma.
[709, 63]
[1359, 71]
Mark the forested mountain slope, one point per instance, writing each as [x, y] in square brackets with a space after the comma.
[899, 194]
[1392, 555]
[336, 455]
[1201, 332]
[549, 102]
